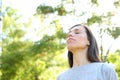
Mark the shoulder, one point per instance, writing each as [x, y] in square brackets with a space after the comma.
[108, 71]
[107, 67]
[64, 75]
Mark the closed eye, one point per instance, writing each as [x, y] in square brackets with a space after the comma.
[77, 31]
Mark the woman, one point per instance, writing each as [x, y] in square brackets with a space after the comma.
[83, 57]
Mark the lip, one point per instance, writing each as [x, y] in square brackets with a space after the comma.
[69, 39]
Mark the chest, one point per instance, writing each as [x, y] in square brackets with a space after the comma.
[89, 74]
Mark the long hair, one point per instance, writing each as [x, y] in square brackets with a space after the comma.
[92, 52]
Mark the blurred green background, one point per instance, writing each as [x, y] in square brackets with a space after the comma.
[33, 34]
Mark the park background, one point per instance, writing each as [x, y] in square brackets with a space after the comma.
[33, 35]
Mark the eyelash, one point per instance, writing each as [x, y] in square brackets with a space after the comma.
[77, 32]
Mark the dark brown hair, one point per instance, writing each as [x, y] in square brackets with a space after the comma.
[92, 52]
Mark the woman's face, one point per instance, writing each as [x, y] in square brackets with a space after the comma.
[77, 38]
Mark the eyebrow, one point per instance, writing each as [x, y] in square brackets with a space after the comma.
[73, 30]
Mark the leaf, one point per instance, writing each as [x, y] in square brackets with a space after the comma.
[117, 3]
[94, 2]
[114, 32]
[94, 19]
[44, 9]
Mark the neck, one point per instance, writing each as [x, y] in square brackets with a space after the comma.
[80, 58]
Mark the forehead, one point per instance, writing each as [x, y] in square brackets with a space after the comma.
[77, 28]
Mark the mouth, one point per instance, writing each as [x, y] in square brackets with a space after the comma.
[70, 39]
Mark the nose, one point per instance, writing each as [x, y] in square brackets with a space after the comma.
[69, 34]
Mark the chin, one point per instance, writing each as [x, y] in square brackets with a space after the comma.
[70, 47]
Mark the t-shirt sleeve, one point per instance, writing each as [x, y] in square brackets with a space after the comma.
[62, 76]
[108, 72]
[58, 78]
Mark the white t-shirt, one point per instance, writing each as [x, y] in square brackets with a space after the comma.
[92, 71]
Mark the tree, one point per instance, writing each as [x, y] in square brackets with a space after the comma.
[13, 48]
[21, 58]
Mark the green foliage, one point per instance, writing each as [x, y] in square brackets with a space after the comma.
[100, 19]
[114, 32]
[7, 21]
[115, 59]
[13, 49]
[94, 19]
[18, 33]
[117, 3]
[42, 45]
[94, 2]
[9, 64]
[11, 60]
[61, 10]
[27, 60]
[44, 9]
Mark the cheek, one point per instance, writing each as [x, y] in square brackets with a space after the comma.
[82, 40]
